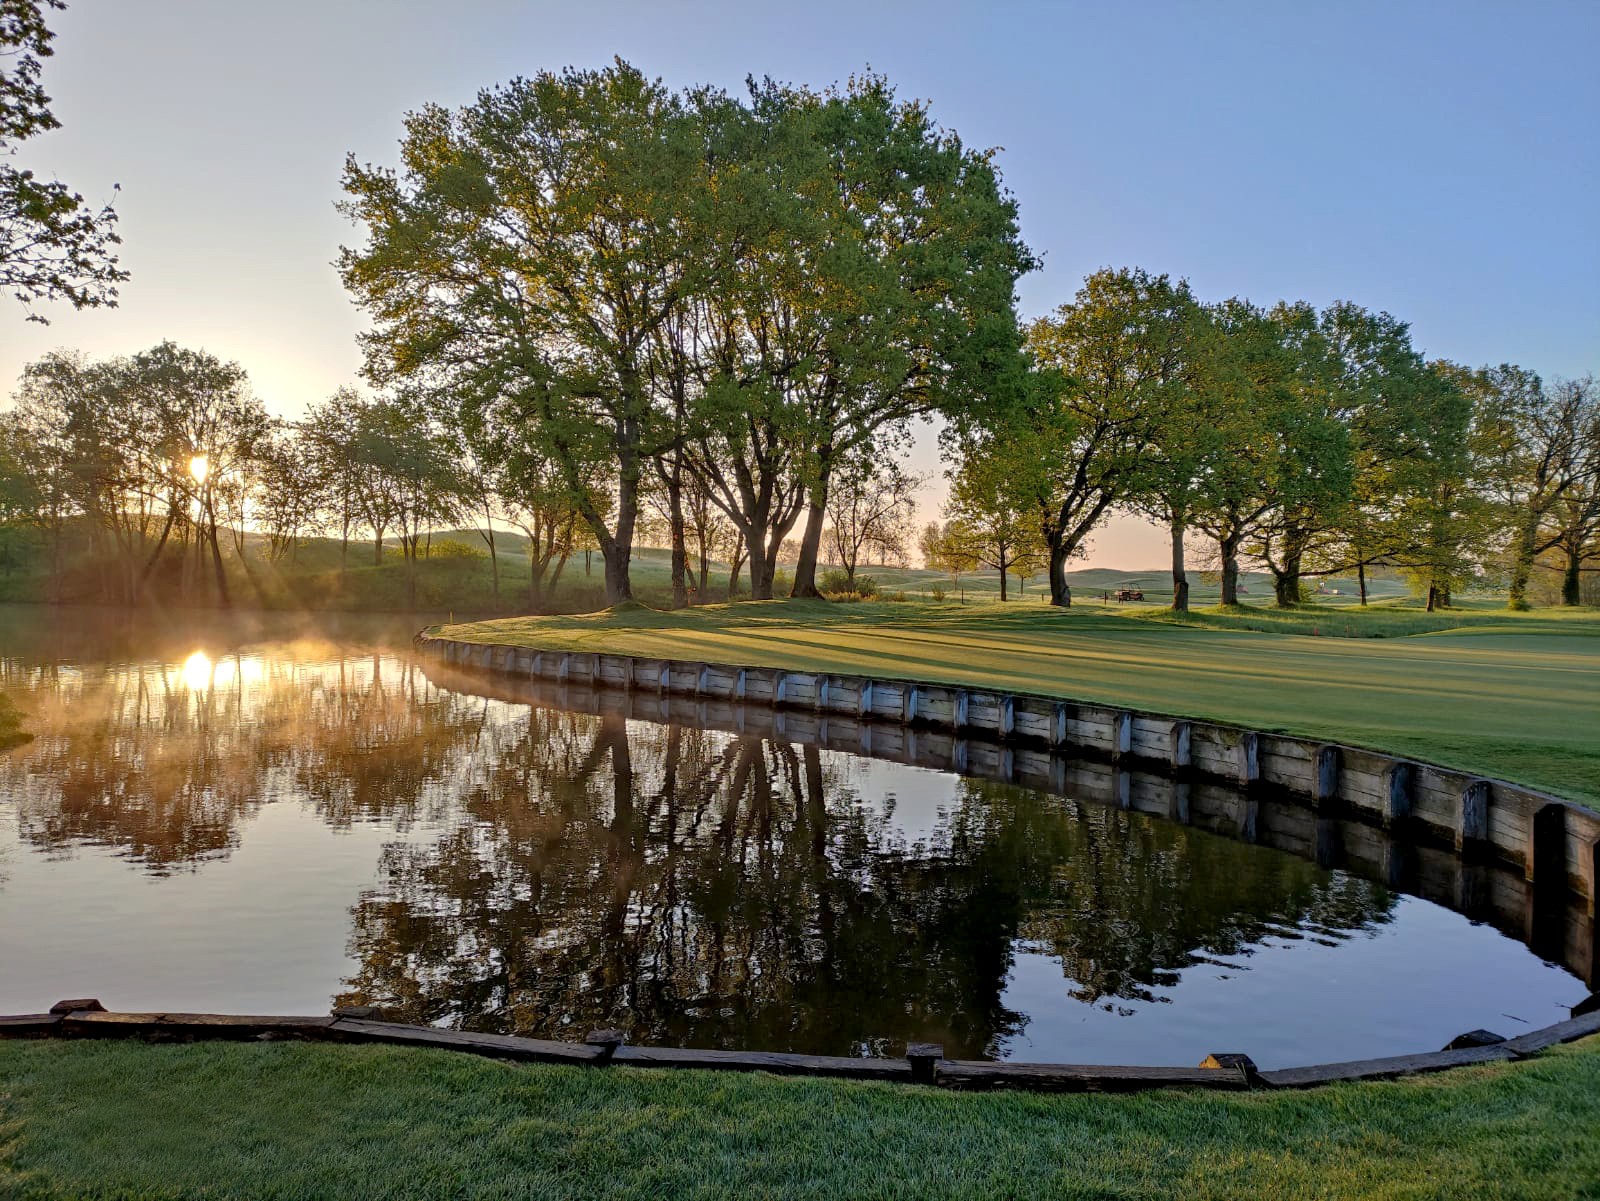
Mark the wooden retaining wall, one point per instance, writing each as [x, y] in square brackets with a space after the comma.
[1555, 844]
[923, 1063]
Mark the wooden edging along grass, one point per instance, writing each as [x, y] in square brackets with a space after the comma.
[1556, 844]
[924, 1063]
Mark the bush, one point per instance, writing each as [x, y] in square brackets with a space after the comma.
[835, 581]
[939, 593]
[454, 548]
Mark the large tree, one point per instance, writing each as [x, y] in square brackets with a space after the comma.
[1109, 371]
[530, 246]
[1540, 449]
[54, 245]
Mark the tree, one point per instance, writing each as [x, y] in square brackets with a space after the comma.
[915, 288]
[144, 448]
[530, 247]
[1540, 449]
[943, 549]
[328, 437]
[1572, 526]
[53, 244]
[1108, 371]
[870, 507]
[292, 491]
[991, 522]
[1242, 379]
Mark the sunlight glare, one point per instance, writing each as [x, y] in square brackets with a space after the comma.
[199, 467]
[197, 671]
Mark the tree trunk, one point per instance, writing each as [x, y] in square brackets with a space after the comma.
[1060, 590]
[680, 550]
[619, 583]
[494, 558]
[1571, 582]
[1286, 580]
[216, 562]
[1433, 597]
[1003, 583]
[1229, 548]
[1361, 576]
[805, 571]
[1522, 565]
[1180, 575]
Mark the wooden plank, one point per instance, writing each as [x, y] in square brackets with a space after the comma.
[1545, 863]
[1325, 785]
[1472, 814]
[92, 1024]
[1078, 1078]
[780, 1062]
[1387, 1068]
[1180, 741]
[1122, 734]
[1561, 1032]
[502, 1046]
[1400, 786]
[1249, 758]
[30, 1025]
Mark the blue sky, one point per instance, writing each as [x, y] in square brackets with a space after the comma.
[1437, 160]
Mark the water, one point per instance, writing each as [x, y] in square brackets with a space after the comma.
[276, 815]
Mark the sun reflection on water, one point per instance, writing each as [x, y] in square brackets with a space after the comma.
[197, 671]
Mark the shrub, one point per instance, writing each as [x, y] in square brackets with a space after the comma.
[454, 548]
[835, 581]
[939, 593]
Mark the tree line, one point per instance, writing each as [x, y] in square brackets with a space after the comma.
[604, 312]
[1312, 442]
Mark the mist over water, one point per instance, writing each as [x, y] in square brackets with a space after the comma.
[279, 814]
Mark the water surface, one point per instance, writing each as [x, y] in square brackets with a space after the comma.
[280, 814]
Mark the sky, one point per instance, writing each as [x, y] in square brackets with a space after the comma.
[1438, 161]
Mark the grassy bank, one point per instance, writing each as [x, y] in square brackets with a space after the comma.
[102, 1120]
[1510, 695]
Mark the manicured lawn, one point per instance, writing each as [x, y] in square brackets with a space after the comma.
[126, 1120]
[1510, 695]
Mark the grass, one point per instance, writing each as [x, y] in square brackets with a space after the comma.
[1516, 696]
[287, 1120]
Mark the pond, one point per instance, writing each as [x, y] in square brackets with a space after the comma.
[279, 814]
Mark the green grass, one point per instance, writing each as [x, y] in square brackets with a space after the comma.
[127, 1120]
[1516, 696]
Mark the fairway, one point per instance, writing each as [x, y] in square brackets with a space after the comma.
[1516, 697]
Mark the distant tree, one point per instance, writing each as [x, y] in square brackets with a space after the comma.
[944, 549]
[991, 522]
[53, 244]
[1572, 525]
[869, 508]
[328, 440]
[1540, 450]
[292, 491]
[1109, 371]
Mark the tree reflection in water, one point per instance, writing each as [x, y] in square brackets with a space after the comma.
[711, 890]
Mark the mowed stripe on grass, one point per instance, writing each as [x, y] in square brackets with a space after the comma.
[1522, 704]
